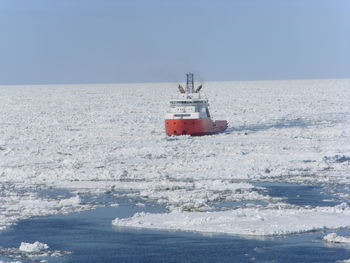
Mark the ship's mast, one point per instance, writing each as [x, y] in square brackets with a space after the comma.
[189, 83]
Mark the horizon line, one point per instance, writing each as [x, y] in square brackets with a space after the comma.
[160, 82]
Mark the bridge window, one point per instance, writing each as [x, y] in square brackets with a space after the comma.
[182, 115]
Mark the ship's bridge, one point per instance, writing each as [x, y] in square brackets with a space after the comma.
[188, 106]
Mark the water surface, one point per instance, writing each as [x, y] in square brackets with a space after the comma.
[91, 237]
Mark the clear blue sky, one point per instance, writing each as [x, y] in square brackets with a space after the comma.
[104, 41]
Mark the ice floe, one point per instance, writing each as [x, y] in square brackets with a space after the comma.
[334, 238]
[245, 221]
[33, 247]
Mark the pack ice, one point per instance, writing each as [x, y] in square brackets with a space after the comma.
[107, 138]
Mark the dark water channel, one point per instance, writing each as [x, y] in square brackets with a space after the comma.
[302, 195]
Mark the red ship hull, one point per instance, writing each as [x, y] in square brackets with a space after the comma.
[195, 127]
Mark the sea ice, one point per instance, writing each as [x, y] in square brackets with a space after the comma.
[33, 247]
[73, 201]
[334, 238]
[110, 138]
[36, 252]
[245, 221]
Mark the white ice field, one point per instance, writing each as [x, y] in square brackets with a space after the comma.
[106, 138]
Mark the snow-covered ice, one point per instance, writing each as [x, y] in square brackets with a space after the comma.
[33, 247]
[334, 238]
[106, 138]
[246, 221]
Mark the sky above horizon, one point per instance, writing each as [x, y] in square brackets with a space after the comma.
[109, 41]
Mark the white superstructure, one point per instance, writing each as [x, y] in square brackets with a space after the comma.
[188, 106]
